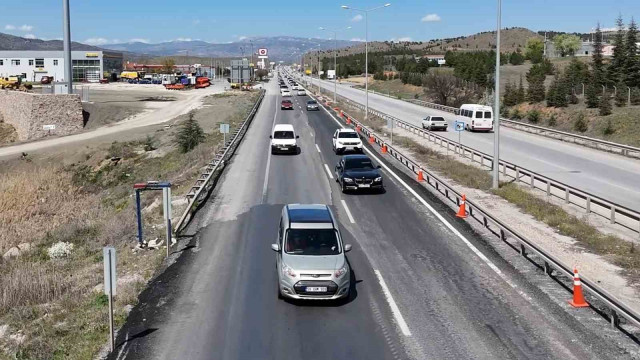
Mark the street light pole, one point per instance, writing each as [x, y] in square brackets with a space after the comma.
[366, 51]
[496, 112]
[68, 63]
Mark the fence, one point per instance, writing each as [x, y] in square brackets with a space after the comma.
[204, 184]
[83, 91]
[508, 235]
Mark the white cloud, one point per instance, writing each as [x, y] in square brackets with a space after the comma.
[241, 38]
[26, 28]
[431, 18]
[96, 41]
[9, 27]
[356, 18]
[357, 39]
[406, 38]
[183, 39]
[29, 36]
[146, 41]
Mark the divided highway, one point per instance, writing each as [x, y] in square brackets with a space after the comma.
[607, 175]
[425, 286]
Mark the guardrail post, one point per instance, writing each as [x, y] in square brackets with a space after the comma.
[503, 236]
[517, 175]
[588, 207]
[484, 222]
[533, 179]
[523, 250]
[548, 188]
[615, 319]
[547, 269]
[566, 195]
[613, 215]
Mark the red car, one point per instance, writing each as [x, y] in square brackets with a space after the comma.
[286, 105]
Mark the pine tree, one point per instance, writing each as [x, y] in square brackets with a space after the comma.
[510, 97]
[557, 94]
[580, 124]
[605, 105]
[635, 96]
[615, 70]
[535, 77]
[520, 98]
[632, 66]
[190, 134]
[621, 95]
[597, 62]
[592, 93]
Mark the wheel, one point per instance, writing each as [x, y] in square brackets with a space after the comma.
[344, 189]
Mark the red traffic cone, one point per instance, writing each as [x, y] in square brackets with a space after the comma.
[578, 297]
[420, 176]
[462, 212]
[384, 148]
[371, 139]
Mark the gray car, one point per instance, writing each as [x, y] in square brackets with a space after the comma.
[310, 255]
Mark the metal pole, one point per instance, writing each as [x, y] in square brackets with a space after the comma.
[66, 31]
[112, 340]
[366, 63]
[335, 66]
[139, 215]
[496, 113]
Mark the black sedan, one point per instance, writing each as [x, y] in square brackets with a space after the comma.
[357, 172]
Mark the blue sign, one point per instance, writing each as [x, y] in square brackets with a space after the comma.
[458, 126]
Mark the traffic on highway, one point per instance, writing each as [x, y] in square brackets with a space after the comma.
[319, 247]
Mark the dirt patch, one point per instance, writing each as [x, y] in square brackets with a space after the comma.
[8, 133]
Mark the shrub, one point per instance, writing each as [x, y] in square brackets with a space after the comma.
[621, 95]
[148, 144]
[533, 116]
[516, 115]
[608, 129]
[60, 249]
[605, 105]
[592, 95]
[580, 124]
[190, 135]
[635, 96]
[552, 121]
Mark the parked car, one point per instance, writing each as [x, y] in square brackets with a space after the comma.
[357, 172]
[310, 254]
[46, 80]
[104, 81]
[434, 123]
[144, 81]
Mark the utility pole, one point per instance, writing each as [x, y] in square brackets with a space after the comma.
[66, 31]
[496, 111]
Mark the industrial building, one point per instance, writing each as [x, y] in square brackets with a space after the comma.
[88, 66]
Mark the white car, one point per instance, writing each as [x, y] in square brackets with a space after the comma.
[346, 140]
[283, 139]
[301, 92]
[434, 123]
[285, 92]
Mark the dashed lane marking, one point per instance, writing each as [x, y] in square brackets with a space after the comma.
[346, 208]
[328, 171]
[392, 304]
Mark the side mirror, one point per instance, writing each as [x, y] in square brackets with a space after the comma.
[347, 248]
[275, 247]
[270, 136]
[378, 167]
[297, 136]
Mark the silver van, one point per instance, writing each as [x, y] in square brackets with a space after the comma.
[310, 255]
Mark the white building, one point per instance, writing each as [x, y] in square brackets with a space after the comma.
[88, 66]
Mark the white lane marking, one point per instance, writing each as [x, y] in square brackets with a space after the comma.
[317, 147]
[346, 208]
[266, 170]
[328, 171]
[392, 304]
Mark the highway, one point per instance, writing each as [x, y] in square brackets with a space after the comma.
[424, 285]
[608, 175]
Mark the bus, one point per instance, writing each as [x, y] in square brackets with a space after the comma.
[476, 117]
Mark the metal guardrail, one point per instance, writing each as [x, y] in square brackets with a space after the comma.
[615, 306]
[203, 185]
[590, 203]
[617, 148]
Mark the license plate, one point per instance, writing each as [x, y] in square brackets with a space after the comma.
[284, 148]
[364, 185]
[316, 289]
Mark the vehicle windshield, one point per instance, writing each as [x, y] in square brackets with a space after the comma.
[437, 118]
[358, 163]
[347, 135]
[283, 135]
[312, 242]
[312, 102]
[286, 101]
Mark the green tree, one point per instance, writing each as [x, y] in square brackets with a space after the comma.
[580, 124]
[632, 65]
[608, 129]
[576, 72]
[592, 93]
[535, 78]
[597, 60]
[516, 58]
[510, 95]
[552, 121]
[533, 116]
[621, 95]
[616, 68]
[190, 134]
[605, 105]
[635, 96]
[521, 96]
[534, 50]
[566, 44]
[558, 92]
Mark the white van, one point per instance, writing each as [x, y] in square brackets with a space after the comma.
[283, 139]
[476, 117]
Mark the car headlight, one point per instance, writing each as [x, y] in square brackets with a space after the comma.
[378, 179]
[340, 272]
[349, 180]
[286, 270]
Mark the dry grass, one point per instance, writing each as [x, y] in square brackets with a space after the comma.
[88, 203]
[8, 133]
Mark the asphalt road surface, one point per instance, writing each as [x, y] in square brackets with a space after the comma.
[424, 285]
[610, 176]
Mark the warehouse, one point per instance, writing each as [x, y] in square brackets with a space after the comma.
[88, 66]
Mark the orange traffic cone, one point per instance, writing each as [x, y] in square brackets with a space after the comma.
[420, 176]
[462, 212]
[384, 148]
[357, 127]
[348, 121]
[341, 113]
[371, 139]
[578, 297]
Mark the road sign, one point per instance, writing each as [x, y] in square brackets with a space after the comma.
[109, 254]
[224, 128]
[262, 52]
[48, 127]
[459, 125]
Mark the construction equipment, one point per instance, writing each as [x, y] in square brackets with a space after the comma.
[14, 83]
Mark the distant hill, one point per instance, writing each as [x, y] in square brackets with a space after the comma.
[280, 48]
[11, 42]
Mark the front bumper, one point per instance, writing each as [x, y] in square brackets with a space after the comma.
[344, 148]
[356, 186]
[296, 289]
[311, 108]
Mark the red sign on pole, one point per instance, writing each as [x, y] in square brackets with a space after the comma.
[262, 52]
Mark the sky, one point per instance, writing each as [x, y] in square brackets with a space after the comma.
[103, 22]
